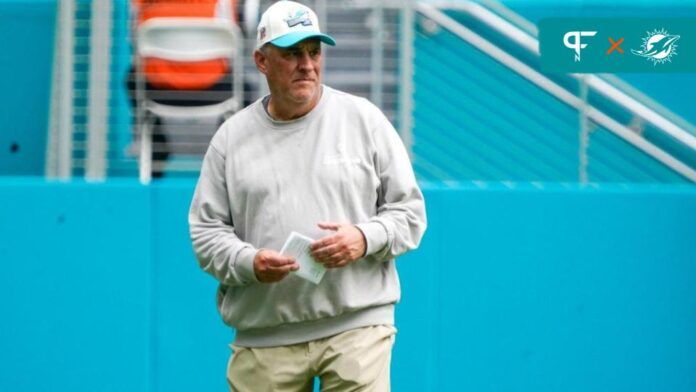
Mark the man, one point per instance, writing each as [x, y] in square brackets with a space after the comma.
[310, 159]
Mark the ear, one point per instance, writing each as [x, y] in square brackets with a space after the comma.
[261, 61]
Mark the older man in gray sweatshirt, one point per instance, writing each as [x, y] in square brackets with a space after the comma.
[317, 161]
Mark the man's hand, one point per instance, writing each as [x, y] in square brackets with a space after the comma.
[339, 249]
[270, 266]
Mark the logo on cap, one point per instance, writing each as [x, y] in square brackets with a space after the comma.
[301, 17]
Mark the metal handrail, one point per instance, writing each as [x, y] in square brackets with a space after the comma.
[525, 40]
[545, 83]
[406, 76]
[532, 31]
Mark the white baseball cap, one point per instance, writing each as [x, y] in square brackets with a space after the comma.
[286, 23]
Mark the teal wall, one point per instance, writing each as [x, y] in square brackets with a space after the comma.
[27, 30]
[515, 288]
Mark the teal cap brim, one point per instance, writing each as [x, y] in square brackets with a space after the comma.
[292, 38]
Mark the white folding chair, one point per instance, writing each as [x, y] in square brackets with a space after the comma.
[184, 39]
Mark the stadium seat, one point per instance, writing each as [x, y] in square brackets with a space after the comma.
[184, 40]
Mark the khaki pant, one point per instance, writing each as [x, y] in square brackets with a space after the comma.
[356, 360]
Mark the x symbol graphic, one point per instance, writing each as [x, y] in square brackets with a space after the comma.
[615, 45]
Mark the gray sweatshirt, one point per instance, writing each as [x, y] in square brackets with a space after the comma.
[262, 179]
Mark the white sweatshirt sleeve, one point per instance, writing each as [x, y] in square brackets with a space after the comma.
[218, 249]
[401, 219]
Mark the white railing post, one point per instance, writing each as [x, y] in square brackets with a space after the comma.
[376, 65]
[66, 21]
[584, 141]
[320, 8]
[145, 131]
[145, 167]
[51, 164]
[406, 75]
[99, 77]
[238, 69]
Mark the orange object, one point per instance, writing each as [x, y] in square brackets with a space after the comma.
[174, 75]
[615, 45]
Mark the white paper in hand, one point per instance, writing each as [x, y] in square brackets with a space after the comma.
[297, 246]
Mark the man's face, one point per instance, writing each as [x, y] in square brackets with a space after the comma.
[293, 73]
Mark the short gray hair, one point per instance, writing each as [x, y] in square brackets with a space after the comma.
[264, 48]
